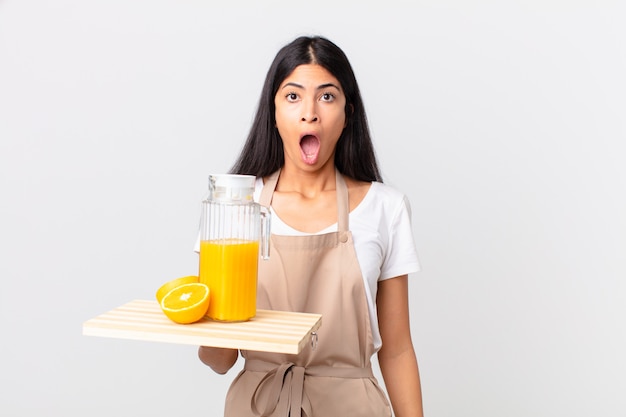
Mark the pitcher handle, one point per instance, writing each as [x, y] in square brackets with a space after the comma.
[266, 218]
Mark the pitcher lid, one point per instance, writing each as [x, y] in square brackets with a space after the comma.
[231, 187]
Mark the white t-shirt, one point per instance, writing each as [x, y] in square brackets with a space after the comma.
[383, 239]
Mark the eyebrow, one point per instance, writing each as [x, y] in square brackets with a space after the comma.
[319, 87]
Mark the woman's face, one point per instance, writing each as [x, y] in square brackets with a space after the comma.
[310, 116]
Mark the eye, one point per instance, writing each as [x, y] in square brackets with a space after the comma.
[291, 96]
[328, 97]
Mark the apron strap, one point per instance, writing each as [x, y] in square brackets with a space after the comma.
[284, 385]
[268, 189]
[343, 206]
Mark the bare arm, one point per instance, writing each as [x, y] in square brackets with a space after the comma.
[220, 360]
[397, 359]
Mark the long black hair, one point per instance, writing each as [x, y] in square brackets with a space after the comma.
[263, 153]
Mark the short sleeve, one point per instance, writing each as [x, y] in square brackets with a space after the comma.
[401, 257]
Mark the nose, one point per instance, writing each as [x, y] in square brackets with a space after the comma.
[309, 113]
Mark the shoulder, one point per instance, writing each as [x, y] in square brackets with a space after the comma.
[383, 204]
[360, 189]
[385, 195]
[388, 191]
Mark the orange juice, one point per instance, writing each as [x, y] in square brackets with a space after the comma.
[229, 267]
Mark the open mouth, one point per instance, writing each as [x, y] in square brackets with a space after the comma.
[310, 147]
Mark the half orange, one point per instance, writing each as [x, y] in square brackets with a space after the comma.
[170, 285]
[186, 303]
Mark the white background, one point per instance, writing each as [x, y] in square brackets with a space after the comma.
[504, 123]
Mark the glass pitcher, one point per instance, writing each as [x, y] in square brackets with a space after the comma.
[234, 231]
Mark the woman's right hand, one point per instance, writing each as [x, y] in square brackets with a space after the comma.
[219, 359]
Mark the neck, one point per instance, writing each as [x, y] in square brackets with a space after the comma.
[306, 183]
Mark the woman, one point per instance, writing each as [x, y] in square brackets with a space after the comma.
[341, 246]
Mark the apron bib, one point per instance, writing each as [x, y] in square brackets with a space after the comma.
[332, 377]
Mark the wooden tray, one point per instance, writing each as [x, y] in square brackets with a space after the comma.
[269, 331]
